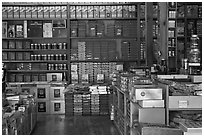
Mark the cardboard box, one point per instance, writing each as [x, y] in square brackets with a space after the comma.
[46, 11]
[102, 11]
[10, 11]
[42, 92]
[84, 10]
[4, 44]
[58, 11]
[151, 103]
[114, 11]
[11, 31]
[11, 56]
[78, 12]
[56, 93]
[59, 32]
[90, 11]
[12, 90]
[149, 115]
[191, 127]
[25, 27]
[158, 129]
[64, 11]
[176, 102]
[54, 76]
[16, 10]
[19, 31]
[148, 93]
[19, 77]
[119, 11]
[19, 55]
[196, 79]
[22, 11]
[85, 78]
[35, 29]
[28, 11]
[72, 12]
[52, 12]
[40, 11]
[34, 12]
[4, 30]
[11, 44]
[57, 107]
[47, 30]
[4, 12]
[96, 11]
[19, 44]
[43, 107]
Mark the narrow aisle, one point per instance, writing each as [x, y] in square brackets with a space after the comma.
[74, 125]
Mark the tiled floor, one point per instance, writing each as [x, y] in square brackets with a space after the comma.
[74, 125]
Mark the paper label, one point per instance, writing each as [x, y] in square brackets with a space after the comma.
[183, 104]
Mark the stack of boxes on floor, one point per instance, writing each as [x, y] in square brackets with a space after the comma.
[49, 95]
[91, 72]
[69, 103]
[77, 104]
[86, 104]
[95, 101]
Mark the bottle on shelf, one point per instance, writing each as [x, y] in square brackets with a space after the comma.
[194, 53]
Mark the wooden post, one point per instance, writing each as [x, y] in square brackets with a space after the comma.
[149, 33]
[163, 31]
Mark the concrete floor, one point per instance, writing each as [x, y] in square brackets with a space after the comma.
[74, 125]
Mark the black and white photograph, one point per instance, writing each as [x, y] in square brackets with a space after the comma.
[101, 67]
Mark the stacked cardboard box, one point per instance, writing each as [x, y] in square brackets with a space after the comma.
[81, 29]
[57, 104]
[69, 103]
[86, 100]
[77, 104]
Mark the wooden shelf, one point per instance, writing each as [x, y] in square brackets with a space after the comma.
[34, 61]
[103, 4]
[102, 38]
[11, 19]
[31, 38]
[36, 71]
[135, 18]
[32, 50]
[34, 3]
[104, 60]
[17, 50]
[182, 109]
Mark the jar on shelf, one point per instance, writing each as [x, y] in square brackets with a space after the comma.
[194, 52]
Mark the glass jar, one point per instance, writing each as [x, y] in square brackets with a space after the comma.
[194, 53]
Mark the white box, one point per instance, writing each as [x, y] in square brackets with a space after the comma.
[151, 103]
[47, 30]
[54, 76]
[148, 93]
[56, 93]
[148, 115]
[196, 79]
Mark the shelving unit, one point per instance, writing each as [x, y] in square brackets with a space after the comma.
[184, 20]
[35, 23]
[109, 31]
[103, 33]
